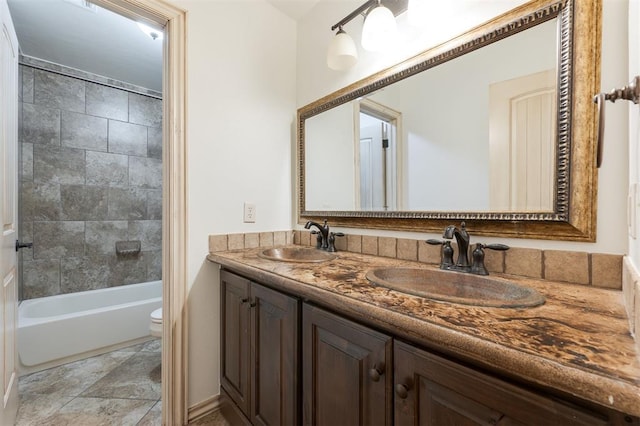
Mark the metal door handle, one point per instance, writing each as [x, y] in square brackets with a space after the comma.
[20, 245]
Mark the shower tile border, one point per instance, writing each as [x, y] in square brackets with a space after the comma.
[37, 63]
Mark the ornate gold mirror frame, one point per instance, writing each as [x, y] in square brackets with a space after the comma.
[574, 214]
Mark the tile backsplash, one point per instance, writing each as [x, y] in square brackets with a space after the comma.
[598, 270]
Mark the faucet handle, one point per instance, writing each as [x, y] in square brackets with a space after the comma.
[318, 238]
[332, 240]
[446, 253]
[477, 266]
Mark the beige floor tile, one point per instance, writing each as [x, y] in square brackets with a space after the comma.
[100, 412]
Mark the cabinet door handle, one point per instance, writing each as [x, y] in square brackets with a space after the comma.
[253, 304]
[402, 390]
[245, 300]
[376, 372]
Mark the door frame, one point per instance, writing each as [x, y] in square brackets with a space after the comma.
[174, 193]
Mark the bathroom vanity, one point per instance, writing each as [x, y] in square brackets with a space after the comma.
[317, 343]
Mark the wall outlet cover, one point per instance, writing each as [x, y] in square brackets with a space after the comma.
[249, 213]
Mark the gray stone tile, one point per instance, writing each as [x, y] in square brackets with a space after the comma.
[153, 417]
[101, 237]
[83, 131]
[27, 84]
[40, 278]
[145, 172]
[154, 204]
[40, 201]
[26, 236]
[127, 204]
[55, 240]
[53, 164]
[154, 142]
[127, 270]
[107, 169]
[108, 102]
[100, 412]
[145, 110]
[154, 265]
[127, 138]
[34, 408]
[154, 345]
[80, 202]
[149, 232]
[40, 124]
[26, 162]
[58, 91]
[83, 273]
[73, 378]
[138, 378]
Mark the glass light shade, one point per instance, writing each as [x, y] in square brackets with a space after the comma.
[342, 52]
[379, 30]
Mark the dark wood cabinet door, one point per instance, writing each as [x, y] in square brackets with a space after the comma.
[234, 321]
[347, 371]
[274, 357]
[431, 390]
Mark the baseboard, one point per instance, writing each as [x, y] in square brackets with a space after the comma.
[203, 408]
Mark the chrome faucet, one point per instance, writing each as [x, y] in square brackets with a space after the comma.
[462, 239]
[323, 233]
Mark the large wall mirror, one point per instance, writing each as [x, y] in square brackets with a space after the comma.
[495, 127]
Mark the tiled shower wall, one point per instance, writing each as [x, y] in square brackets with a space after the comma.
[91, 175]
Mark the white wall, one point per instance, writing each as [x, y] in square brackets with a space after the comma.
[634, 126]
[315, 80]
[240, 107]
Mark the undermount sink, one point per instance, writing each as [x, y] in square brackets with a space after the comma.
[296, 254]
[456, 287]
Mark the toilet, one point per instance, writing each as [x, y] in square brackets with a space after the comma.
[156, 323]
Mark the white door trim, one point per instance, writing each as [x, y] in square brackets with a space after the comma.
[174, 193]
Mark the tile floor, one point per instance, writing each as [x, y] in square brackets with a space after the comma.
[118, 388]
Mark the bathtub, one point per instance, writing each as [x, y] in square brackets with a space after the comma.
[58, 329]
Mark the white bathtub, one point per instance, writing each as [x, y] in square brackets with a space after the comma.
[57, 329]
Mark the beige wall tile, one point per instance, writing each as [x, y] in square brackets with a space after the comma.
[289, 237]
[296, 237]
[354, 243]
[523, 261]
[369, 244]
[493, 260]
[341, 243]
[304, 238]
[279, 238]
[606, 271]
[266, 239]
[217, 243]
[236, 241]
[251, 240]
[407, 249]
[387, 246]
[428, 253]
[569, 266]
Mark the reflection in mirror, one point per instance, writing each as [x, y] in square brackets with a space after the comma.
[474, 134]
[495, 127]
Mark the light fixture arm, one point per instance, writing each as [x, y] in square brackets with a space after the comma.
[355, 13]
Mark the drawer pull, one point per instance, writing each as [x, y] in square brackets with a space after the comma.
[402, 390]
[376, 372]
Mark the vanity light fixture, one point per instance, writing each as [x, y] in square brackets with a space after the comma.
[378, 32]
[342, 53]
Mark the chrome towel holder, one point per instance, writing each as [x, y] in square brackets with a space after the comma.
[630, 92]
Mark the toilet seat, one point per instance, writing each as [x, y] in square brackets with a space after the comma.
[156, 323]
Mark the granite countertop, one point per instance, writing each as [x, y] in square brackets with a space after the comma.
[578, 342]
